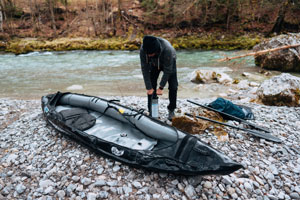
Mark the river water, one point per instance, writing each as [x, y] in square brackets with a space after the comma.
[106, 73]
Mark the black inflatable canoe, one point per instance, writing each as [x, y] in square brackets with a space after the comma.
[129, 136]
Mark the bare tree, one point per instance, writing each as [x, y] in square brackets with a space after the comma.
[51, 7]
[280, 17]
[1, 16]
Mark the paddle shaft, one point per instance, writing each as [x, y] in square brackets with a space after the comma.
[252, 132]
[231, 116]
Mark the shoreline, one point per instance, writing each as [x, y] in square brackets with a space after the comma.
[202, 42]
[37, 162]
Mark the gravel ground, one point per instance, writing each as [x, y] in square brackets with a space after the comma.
[36, 162]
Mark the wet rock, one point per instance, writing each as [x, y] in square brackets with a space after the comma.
[209, 76]
[282, 60]
[282, 90]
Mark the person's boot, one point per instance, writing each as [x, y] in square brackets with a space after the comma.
[171, 114]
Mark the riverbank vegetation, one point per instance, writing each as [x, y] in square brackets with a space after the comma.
[120, 24]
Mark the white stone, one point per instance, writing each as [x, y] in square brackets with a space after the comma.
[75, 87]
[208, 184]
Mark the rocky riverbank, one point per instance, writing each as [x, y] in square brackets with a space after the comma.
[38, 163]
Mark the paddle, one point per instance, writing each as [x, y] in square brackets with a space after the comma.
[231, 117]
[252, 132]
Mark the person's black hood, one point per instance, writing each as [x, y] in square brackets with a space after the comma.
[151, 44]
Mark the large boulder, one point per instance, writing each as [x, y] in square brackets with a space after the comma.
[282, 90]
[282, 60]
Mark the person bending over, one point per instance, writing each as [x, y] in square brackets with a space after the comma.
[156, 55]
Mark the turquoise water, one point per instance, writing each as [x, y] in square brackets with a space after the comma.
[103, 73]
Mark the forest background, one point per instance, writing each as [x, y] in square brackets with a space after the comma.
[189, 24]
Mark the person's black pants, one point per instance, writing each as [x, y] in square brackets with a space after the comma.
[173, 85]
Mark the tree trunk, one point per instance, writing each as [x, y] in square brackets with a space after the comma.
[204, 10]
[87, 17]
[1, 17]
[280, 18]
[260, 52]
[51, 5]
[32, 16]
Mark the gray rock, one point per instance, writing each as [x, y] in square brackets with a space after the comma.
[127, 190]
[46, 183]
[100, 171]
[248, 187]
[116, 168]
[20, 188]
[112, 183]
[227, 180]
[269, 176]
[48, 190]
[91, 196]
[75, 178]
[100, 182]
[190, 191]
[10, 173]
[280, 89]
[272, 197]
[61, 194]
[137, 184]
[6, 190]
[163, 175]
[295, 195]
[231, 191]
[175, 182]
[273, 169]
[195, 180]
[86, 181]
[282, 60]
[71, 188]
[281, 195]
[297, 189]
[207, 185]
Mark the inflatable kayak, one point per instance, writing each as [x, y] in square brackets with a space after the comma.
[131, 137]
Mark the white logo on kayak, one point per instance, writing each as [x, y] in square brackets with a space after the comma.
[116, 151]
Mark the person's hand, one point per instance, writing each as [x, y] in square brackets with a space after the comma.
[159, 92]
[150, 92]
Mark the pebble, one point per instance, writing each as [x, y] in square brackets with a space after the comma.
[137, 185]
[61, 194]
[75, 178]
[20, 188]
[208, 184]
[86, 181]
[190, 191]
[40, 164]
[295, 195]
[248, 187]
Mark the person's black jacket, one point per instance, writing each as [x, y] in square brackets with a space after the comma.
[166, 62]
